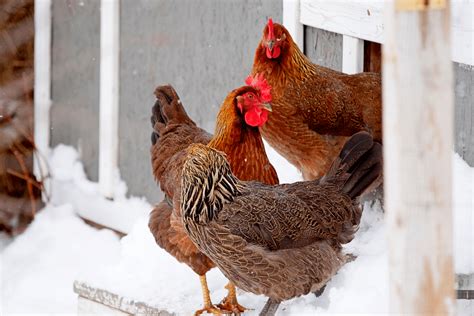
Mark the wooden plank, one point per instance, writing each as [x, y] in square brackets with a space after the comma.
[116, 302]
[89, 307]
[465, 281]
[464, 111]
[42, 86]
[418, 142]
[360, 19]
[109, 94]
[323, 47]
[291, 20]
[465, 286]
[462, 31]
[352, 55]
[365, 20]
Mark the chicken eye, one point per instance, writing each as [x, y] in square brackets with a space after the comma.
[250, 96]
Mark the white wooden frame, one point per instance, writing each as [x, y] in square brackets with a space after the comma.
[109, 96]
[42, 85]
[352, 54]
[364, 20]
[291, 20]
[109, 85]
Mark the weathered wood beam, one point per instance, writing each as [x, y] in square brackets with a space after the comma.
[109, 96]
[418, 143]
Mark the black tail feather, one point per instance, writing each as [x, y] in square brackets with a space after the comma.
[366, 173]
[359, 166]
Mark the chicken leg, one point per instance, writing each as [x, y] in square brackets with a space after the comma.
[270, 308]
[208, 306]
[230, 302]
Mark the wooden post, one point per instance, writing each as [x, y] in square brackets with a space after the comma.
[109, 93]
[418, 145]
[352, 54]
[42, 92]
[291, 20]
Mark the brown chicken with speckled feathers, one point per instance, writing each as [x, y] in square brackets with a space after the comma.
[236, 134]
[315, 108]
[281, 241]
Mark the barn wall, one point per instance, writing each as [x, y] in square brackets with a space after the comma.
[75, 78]
[203, 48]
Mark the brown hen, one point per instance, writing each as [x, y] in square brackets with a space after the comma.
[282, 240]
[173, 132]
[315, 108]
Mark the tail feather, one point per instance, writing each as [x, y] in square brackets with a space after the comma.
[365, 176]
[167, 109]
[359, 166]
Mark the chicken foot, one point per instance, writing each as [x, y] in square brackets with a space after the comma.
[208, 306]
[270, 308]
[230, 302]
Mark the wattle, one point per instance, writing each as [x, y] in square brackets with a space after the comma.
[256, 118]
[273, 53]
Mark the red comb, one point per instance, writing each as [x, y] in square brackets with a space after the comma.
[261, 84]
[270, 29]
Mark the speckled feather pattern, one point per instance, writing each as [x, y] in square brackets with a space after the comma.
[315, 108]
[271, 241]
[278, 240]
[242, 144]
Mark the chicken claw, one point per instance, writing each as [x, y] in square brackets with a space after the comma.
[212, 310]
[208, 306]
[230, 303]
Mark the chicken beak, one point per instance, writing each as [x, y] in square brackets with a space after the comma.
[270, 44]
[268, 107]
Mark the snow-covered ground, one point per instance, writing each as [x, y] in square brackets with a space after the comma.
[37, 268]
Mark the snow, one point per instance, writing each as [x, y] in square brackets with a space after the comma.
[70, 185]
[40, 265]
[59, 248]
[287, 173]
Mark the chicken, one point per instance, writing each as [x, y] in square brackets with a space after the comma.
[236, 134]
[315, 108]
[281, 241]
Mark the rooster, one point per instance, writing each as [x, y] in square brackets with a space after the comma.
[281, 241]
[243, 111]
[315, 108]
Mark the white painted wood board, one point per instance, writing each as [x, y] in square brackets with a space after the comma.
[365, 20]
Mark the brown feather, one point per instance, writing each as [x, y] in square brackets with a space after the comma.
[173, 132]
[315, 108]
[281, 241]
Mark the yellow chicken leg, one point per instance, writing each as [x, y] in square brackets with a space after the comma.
[230, 301]
[208, 306]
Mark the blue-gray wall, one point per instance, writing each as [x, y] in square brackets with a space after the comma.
[204, 48]
[75, 78]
